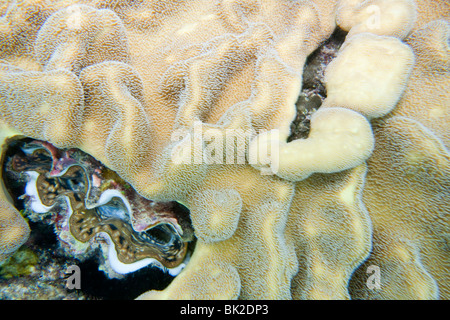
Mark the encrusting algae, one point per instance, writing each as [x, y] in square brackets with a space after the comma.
[251, 149]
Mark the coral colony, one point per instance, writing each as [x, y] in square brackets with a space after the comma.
[244, 149]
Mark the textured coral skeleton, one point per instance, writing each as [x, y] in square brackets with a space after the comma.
[368, 185]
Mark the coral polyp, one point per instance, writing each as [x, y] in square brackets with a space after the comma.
[89, 204]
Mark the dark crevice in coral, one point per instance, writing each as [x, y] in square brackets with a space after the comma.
[313, 87]
[316, 63]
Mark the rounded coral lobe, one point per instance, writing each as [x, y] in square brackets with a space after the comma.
[90, 205]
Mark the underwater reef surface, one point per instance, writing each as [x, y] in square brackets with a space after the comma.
[224, 149]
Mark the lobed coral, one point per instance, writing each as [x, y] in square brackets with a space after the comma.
[193, 101]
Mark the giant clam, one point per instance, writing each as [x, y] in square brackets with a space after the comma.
[90, 205]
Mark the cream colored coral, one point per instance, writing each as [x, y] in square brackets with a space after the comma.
[19, 25]
[339, 139]
[120, 136]
[369, 74]
[411, 158]
[332, 230]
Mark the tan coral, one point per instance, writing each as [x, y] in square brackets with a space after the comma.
[197, 286]
[216, 214]
[257, 252]
[412, 159]
[49, 107]
[19, 26]
[166, 78]
[409, 212]
[427, 98]
[72, 39]
[120, 136]
[188, 89]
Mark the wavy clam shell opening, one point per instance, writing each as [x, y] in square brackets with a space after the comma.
[93, 211]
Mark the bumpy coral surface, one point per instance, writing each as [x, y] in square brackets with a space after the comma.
[193, 101]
